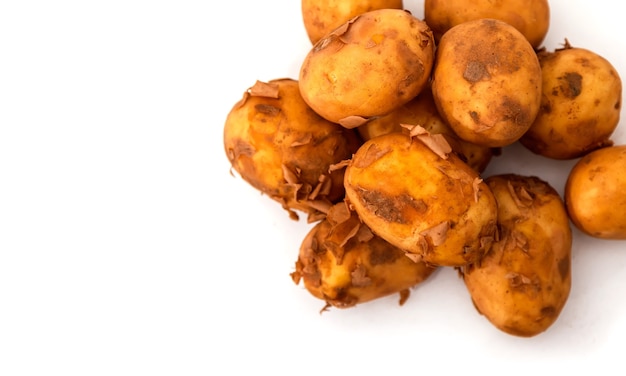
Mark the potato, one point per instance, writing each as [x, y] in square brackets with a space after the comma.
[367, 67]
[320, 17]
[342, 262]
[417, 195]
[280, 146]
[523, 283]
[422, 111]
[529, 17]
[580, 106]
[595, 193]
[487, 82]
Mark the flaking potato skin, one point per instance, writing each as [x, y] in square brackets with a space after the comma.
[281, 147]
[422, 199]
[422, 111]
[523, 283]
[367, 67]
[343, 263]
[595, 193]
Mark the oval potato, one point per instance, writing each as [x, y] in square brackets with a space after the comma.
[343, 263]
[367, 67]
[580, 106]
[529, 17]
[595, 193]
[417, 195]
[281, 147]
[487, 82]
[320, 17]
[523, 283]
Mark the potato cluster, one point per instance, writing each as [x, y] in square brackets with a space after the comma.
[384, 138]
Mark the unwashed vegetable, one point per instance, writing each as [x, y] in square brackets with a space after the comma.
[523, 283]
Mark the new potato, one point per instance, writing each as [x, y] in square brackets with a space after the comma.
[320, 17]
[529, 17]
[595, 193]
[580, 105]
[281, 147]
[417, 195]
[343, 263]
[367, 67]
[523, 283]
[487, 82]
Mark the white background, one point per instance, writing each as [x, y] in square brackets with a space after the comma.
[127, 248]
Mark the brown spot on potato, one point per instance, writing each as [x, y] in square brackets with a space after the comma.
[267, 109]
[572, 84]
[548, 311]
[391, 208]
[475, 71]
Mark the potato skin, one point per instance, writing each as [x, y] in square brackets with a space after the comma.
[422, 111]
[529, 17]
[367, 67]
[436, 209]
[320, 17]
[487, 82]
[343, 263]
[595, 193]
[281, 147]
[580, 105]
[523, 283]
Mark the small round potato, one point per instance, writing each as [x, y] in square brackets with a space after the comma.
[422, 111]
[368, 67]
[487, 82]
[595, 193]
[280, 146]
[580, 106]
[343, 263]
[529, 17]
[417, 195]
[320, 17]
[523, 283]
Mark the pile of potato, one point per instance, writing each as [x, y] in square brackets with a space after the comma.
[383, 139]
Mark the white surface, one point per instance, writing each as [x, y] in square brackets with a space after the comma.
[127, 248]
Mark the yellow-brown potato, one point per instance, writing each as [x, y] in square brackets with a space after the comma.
[523, 283]
[580, 106]
[320, 17]
[367, 67]
[529, 17]
[280, 146]
[487, 82]
[422, 111]
[343, 263]
[414, 193]
[595, 193]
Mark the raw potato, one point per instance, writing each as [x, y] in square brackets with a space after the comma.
[580, 107]
[422, 111]
[487, 82]
[523, 283]
[529, 17]
[320, 17]
[368, 67]
[417, 195]
[343, 263]
[280, 146]
[595, 193]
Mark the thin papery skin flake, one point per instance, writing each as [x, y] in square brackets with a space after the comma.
[436, 142]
